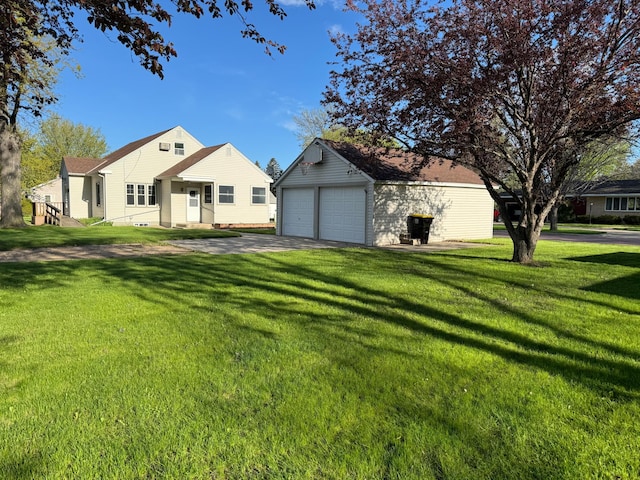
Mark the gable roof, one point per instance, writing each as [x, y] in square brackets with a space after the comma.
[615, 187]
[126, 150]
[81, 166]
[391, 164]
[190, 161]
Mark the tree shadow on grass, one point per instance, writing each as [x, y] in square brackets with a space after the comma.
[306, 285]
[294, 287]
[626, 286]
[317, 294]
[625, 259]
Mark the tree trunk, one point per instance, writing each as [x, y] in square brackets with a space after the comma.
[11, 191]
[553, 217]
[525, 241]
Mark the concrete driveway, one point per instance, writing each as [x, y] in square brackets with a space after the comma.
[248, 243]
[258, 243]
[255, 243]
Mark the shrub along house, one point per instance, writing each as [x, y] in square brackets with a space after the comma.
[167, 179]
[343, 192]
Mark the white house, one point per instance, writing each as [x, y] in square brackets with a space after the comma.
[167, 179]
[50, 191]
[339, 191]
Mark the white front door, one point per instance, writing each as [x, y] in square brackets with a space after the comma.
[193, 205]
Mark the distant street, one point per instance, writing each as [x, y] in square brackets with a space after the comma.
[615, 237]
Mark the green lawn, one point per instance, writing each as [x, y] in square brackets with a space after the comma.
[50, 236]
[354, 363]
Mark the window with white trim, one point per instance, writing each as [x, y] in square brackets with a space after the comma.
[178, 148]
[131, 197]
[151, 195]
[141, 195]
[622, 204]
[226, 194]
[258, 195]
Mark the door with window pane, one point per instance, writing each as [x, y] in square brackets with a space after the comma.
[193, 205]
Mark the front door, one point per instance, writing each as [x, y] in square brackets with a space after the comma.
[193, 205]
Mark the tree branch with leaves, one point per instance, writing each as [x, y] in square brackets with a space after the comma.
[514, 89]
[25, 23]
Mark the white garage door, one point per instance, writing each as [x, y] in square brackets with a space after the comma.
[297, 212]
[343, 214]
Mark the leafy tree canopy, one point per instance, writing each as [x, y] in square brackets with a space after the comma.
[319, 123]
[26, 26]
[56, 137]
[511, 88]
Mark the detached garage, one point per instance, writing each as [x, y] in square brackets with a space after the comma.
[343, 192]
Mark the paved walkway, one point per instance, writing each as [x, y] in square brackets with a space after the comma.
[247, 243]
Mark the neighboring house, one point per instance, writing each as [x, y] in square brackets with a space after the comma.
[273, 207]
[50, 191]
[338, 191]
[618, 198]
[613, 197]
[167, 179]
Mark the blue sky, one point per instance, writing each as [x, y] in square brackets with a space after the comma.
[221, 87]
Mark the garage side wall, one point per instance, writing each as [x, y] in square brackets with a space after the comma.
[460, 212]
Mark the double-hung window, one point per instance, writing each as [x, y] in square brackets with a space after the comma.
[226, 194]
[131, 196]
[178, 148]
[141, 195]
[259, 195]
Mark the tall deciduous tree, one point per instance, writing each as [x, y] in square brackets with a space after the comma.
[57, 137]
[23, 23]
[511, 88]
[310, 124]
[319, 123]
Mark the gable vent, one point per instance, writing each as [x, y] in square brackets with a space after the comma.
[165, 147]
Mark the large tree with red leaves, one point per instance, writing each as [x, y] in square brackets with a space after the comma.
[30, 30]
[515, 89]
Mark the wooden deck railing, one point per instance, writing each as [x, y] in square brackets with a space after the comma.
[47, 212]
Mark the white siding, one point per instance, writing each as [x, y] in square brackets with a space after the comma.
[332, 171]
[227, 166]
[79, 197]
[460, 212]
[52, 189]
[165, 195]
[140, 167]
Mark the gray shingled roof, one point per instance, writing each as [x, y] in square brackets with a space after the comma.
[615, 187]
